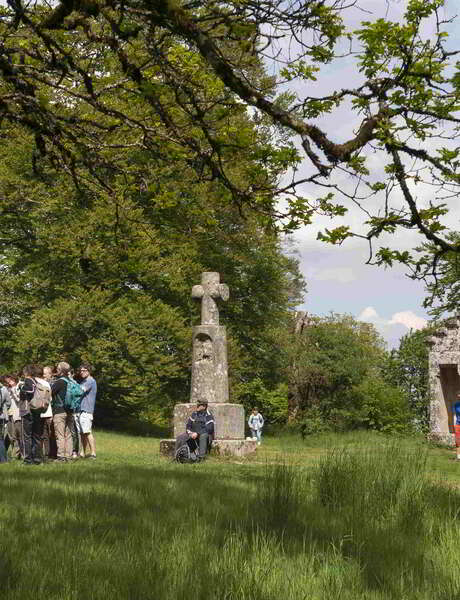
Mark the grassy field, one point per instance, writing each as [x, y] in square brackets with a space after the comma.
[352, 517]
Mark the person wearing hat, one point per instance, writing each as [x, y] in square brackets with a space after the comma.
[200, 427]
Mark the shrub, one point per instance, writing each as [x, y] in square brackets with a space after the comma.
[273, 404]
[375, 404]
[312, 421]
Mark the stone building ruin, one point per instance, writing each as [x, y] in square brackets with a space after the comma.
[444, 379]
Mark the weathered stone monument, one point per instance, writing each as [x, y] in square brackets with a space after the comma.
[209, 360]
[210, 375]
[444, 379]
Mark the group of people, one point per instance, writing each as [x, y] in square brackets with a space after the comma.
[61, 428]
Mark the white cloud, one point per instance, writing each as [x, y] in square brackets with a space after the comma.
[368, 314]
[409, 319]
[392, 329]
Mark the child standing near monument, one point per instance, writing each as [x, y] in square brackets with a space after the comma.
[256, 422]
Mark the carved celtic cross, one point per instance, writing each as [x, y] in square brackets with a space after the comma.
[209, 292]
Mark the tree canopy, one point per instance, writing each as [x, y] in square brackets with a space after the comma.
[85, 277]
[146, 141]
[98, 79]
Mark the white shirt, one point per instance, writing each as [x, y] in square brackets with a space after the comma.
[14, 408]
[256, 422]
[49, 410]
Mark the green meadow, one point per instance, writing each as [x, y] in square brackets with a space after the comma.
[352, 516]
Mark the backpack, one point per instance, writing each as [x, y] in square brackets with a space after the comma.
[73, 395]
[41, 398]
[185, 455]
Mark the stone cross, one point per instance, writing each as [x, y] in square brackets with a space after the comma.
[209, 292]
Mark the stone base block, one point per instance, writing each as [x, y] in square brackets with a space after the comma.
[234, 447]
[167, 447]
[219, 447]
[447, 439]
[229, 419]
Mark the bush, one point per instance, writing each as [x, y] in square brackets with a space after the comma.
[372, 404]
[377, 405]
[312, 421]
[273, 404]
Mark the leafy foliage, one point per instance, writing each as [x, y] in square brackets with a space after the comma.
[443, 292]
[375, 404]
[84, 278]
[407, 367]
[273, 404]
[336, 379]
[98, 82]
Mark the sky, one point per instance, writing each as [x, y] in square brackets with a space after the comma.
[337, 277]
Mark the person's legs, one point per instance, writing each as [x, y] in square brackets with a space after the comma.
[59, 429]
[68, 434]
[259, 435]
[75, 436]
[46, 435]
[86, 423]
[84, 441]
[457, 440]
[37, 433]
[82, 449]
[9, 439]
[91, 444]
[53, 444]
[3, 457]
[26, 422]
[18, 442]
[203, 444]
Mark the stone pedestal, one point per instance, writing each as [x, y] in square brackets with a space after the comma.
[445, 439]
[229, 419]
[239, 448]
[229, 431]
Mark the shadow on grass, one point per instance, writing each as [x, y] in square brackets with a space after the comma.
[134, 427]
[127, 529]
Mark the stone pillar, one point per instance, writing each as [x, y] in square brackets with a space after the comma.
[209, 356]
[209, 364]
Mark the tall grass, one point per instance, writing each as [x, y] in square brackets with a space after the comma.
[360, 525]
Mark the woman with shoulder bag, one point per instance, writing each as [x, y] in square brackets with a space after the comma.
[31, 421]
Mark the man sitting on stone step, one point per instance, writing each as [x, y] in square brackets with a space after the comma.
[200, 427]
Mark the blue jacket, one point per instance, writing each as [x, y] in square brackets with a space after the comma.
[201, 422]
[457, 413]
